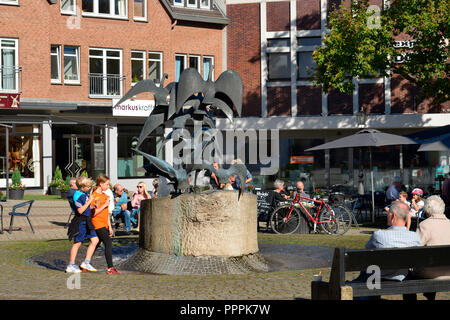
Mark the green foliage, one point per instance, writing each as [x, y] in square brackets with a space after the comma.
[85, 174]
[357, 48]
[16, 180]
[57, 178]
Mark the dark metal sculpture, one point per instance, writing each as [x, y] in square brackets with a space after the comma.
[180, 104]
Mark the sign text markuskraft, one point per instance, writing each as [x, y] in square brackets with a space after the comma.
[9, 101]
[133, 108]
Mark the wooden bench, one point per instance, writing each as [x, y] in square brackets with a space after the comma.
[345, 260]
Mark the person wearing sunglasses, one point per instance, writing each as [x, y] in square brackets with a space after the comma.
[140, 194]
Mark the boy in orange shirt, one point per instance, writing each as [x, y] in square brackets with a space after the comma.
[101, 221]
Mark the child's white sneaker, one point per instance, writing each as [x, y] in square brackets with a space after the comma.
[88, 267]
[73, 268]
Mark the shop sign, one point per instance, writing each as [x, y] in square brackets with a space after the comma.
[302, 159]
[9, 101]
[133, 108]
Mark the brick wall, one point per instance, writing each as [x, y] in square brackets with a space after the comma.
[371, 97]
[309, 100]
[278, 16]
[279, 101]
[339, 103]
[244, 53]
[37, 25]
[308, 14]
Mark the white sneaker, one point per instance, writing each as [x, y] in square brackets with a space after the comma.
[88, 267]
[73, 268]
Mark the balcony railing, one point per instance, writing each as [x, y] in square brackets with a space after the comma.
[106, 86]
[10, 79]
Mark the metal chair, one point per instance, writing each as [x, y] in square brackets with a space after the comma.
[26, 214]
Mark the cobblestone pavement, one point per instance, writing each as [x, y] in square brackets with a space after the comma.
[22, 281]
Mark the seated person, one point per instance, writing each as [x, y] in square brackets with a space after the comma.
[120, 206]
[279, 193]
[140, 194]
[213, 180]
[299, 191]
[403, 196]
[433, 231]
[395, 236]
[416, 201]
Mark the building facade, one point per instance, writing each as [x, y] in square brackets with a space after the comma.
[65, 62]
[270, 43]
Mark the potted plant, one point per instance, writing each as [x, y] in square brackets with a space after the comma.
[56, 182]
[2, 196]
[64, 187]
[16, 189]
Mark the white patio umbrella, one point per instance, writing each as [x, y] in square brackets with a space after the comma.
[440, 145]
[366, 138]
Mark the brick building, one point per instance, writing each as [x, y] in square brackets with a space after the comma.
[270, 43]
[69, 59]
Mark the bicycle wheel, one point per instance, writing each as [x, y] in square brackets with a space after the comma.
[281, 224]
[327, 220]
[344, 219]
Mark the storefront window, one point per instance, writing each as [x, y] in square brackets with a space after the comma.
[130, 164]
[23, 153]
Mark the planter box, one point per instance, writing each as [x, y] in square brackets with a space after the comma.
[63, 195]
[16, 194]
[54, 191]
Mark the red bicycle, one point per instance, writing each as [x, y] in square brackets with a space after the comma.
[334, 219]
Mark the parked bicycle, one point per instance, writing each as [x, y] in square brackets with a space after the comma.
[335, 219]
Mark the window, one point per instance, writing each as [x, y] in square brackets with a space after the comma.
[110, 8]
[208, 67]
[129, 162]
[179, 3]
[71, 64]
[180, 65]
[140, 10]
[279, 59]
[192, 3]
[105, 72]
[24, 146]
[68, 6]
[194, 62]
[155, 66]
[306, 64]
[16, 2]
[137, 66]
[55, 63]
[9, 70]
[204, 4]
[279, 66]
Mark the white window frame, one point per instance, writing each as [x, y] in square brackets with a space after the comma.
[77, 59]
[70, 12]
[16, 59]
[205, 77]
[144, 18]
[199, 61]
[202, 6]
[144, 67]
[106, 15]
[160, 60]
[104, 71]
[195, 5]
[178, 4]
[184, 56]
[58, 57]
[10, 2]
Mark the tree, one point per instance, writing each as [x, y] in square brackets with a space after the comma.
[361, 44]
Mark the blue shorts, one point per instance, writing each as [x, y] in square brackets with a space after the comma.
[83, 233]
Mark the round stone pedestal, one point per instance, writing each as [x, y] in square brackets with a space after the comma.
[206, 233]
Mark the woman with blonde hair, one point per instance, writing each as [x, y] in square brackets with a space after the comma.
[140, 194]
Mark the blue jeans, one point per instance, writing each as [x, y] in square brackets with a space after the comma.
[135, 216]
[127, 217]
